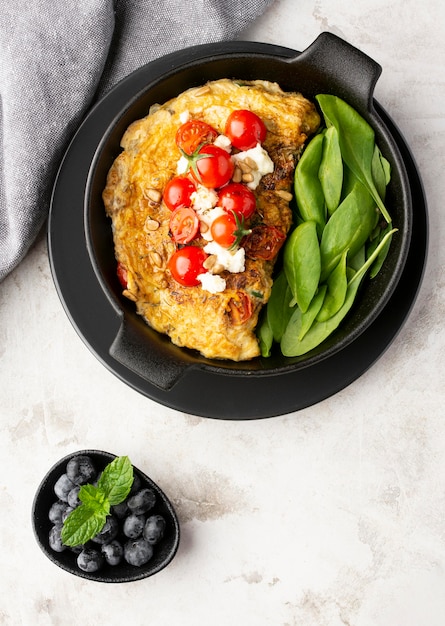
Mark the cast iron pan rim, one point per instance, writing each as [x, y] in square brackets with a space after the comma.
[194, 57]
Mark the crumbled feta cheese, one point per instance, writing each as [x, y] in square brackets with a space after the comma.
[182, 165]
[222, 141]
[204, 199]
[212, 282]
[263, 162]
[231, 260]
[184, 117]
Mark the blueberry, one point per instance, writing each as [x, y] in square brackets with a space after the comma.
[90, 560]
[137, 552]
[55, 539]
[57, 511]
[154, 529]
[80, 469]
[108, 532]
[133, 526]
[142, 501]
[62, 487]
[68, 510]
[113, 552]
[120, 510]
[73, 497]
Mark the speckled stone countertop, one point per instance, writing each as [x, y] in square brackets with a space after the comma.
[331, 516]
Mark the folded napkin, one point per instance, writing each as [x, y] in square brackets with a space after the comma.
[55, 58]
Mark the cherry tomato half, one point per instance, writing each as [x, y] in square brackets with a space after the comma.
[177, 192]
[193, 133]
[264, 242]
[245, 129]
[184, 224]
[238, 198]
[214, 170]
[186, 264]
[240, 308]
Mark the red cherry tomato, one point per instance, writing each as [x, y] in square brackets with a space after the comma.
[212, 167]
[186, 264]
[122, 275]
[245, 129]
[264, 242]
[240, 308]
[228, 230]
[184, 224]
[194, 133]
[238, 198]
[223, 230]
[177, 192]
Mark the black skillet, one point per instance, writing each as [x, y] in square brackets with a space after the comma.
[83, 264]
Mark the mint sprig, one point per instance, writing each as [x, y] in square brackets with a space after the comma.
[89, 518]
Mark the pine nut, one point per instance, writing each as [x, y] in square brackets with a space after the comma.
[156, 258]
[202, 90]
[237, 175]
[282, 193]
[153, 194]
[217, 268]
[244, 167]
[251, 163]
[129, 295]
[209, 262]
[151, 224]
[247, 178]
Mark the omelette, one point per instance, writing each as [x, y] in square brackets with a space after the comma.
[217, 314]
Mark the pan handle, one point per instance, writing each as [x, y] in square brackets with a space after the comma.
[151, 360]
[341, 69]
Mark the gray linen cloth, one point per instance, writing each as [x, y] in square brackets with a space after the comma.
[55, 58]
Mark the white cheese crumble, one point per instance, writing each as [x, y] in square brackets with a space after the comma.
[231, 260]
[212, 282]
[222, 141]
[204, 198]
[182, 165]
[263, 162]
[184, 117]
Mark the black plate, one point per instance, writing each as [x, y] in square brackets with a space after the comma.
[214, 393]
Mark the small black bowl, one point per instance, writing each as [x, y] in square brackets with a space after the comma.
[163, 552]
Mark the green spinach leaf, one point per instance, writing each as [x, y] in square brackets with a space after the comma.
[357, 141]
[302, 264]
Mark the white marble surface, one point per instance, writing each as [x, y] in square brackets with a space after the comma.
[331, 516]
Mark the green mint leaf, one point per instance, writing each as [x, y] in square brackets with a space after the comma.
[116, 480]
[81, 525]
[94, 498]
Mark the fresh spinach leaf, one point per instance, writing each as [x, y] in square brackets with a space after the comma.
[308, 318]
[357, 141]
[347, 229]
[337, 285]
[302, 264]
[308, 190]
[278, 307]
[290, 343]
[330, 172]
